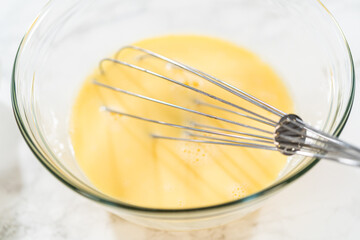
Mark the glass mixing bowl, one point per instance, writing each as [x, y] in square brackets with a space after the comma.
[299, 39]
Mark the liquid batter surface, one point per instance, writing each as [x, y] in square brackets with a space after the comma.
[121, 159]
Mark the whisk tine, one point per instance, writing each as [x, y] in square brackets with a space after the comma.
[212, 79]
[185, 127]
[228, 130]
[248, 145]
[268, 122]
[179, 107]
[290, 134]
[179, 83]
[224, 139]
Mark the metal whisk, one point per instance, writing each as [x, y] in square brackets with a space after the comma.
[290, 134]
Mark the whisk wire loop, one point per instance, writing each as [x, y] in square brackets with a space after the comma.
[290, 135]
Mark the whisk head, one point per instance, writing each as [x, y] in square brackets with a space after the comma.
[266, 128]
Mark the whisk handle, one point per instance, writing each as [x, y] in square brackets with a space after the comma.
[344, 153]
[336, 149]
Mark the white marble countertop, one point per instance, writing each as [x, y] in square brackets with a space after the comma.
[323, 204]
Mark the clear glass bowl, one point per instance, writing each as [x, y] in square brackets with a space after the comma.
[299, 39]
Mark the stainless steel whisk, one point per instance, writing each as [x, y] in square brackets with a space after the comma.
[290, 134]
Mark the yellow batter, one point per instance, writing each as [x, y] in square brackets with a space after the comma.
[121, 159]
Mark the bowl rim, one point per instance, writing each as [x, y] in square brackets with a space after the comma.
[119, 204]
